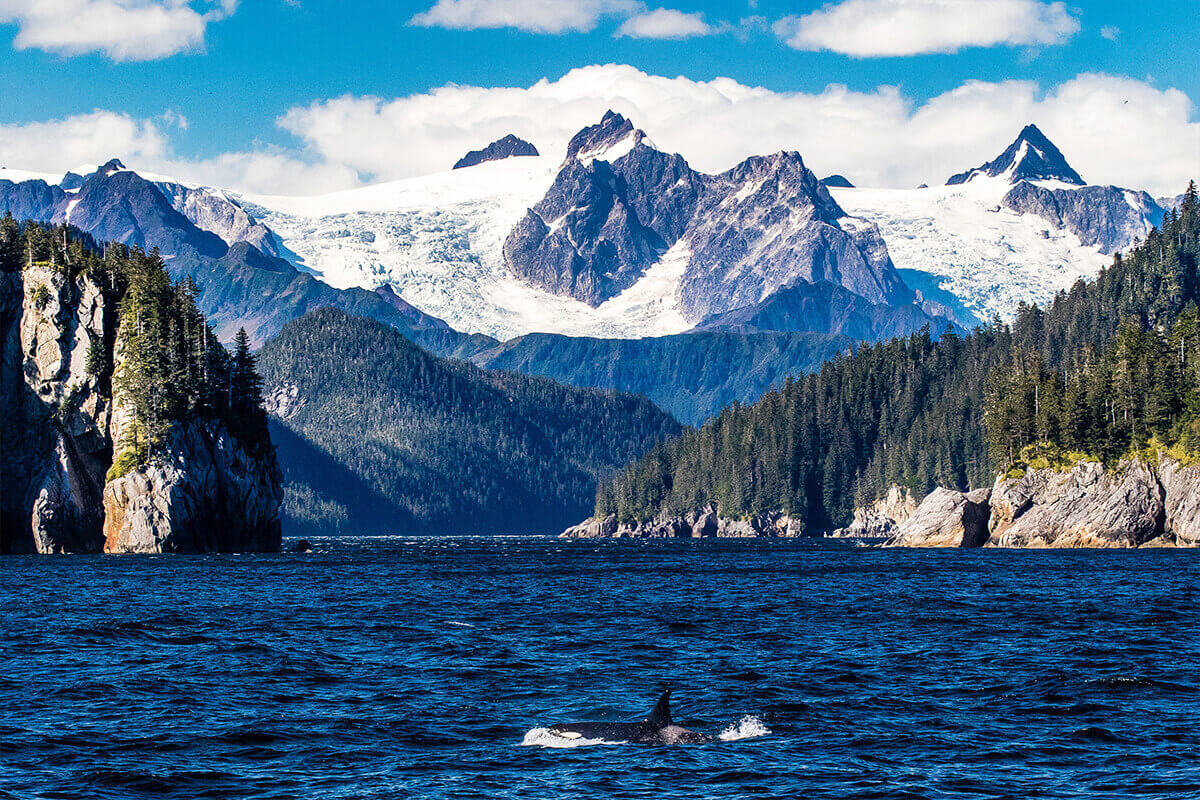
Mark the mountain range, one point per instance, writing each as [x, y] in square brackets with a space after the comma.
[619, 266]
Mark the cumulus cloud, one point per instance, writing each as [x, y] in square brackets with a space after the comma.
[56, 146]
[1114, 130]
[1110, 32]
[864, 28]
[123, 30]
[664, 23]
[535, 16]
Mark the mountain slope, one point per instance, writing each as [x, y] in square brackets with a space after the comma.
[379, 435]
[691, 375]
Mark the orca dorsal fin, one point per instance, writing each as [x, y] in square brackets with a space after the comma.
[660, 717]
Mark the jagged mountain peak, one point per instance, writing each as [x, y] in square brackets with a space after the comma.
[611, 138]
[1031, 157]
[509, 147]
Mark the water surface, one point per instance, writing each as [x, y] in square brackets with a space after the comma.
[380, 668]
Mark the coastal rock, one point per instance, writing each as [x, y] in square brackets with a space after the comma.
[1086, 506]
[54, 440]
[1181, 501]
[881, 519]
[707, 524]
[206, 493]
[947, 518]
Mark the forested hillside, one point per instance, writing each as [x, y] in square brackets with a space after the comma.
[377, 435]
[912, 411]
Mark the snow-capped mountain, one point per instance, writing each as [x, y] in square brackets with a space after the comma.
[619, 239]
[620, 209]
[1019, 229]
[1032, 157]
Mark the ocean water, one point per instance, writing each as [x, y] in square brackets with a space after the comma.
[410, 668]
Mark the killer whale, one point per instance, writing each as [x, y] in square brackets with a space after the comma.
[656, 728]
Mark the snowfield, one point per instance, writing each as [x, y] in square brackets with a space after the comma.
[437, 241]
[988, 257]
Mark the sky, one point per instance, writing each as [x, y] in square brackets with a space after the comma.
[308, 96]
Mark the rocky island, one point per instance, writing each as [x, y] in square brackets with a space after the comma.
[127, 427]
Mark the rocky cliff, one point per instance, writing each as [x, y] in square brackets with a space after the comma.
[202, 491]
[1134, 504]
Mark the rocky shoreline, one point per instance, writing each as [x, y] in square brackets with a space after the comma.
[706, 524]
[1136, 503]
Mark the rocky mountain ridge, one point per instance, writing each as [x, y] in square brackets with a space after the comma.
[618, 206]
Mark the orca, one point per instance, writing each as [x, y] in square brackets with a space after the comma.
[657, 728]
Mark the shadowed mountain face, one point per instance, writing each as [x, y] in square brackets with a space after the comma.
[1031, 157]
[618, 205]
[508, 147]
[433, 445]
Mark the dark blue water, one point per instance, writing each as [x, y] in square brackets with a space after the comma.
[405, 668]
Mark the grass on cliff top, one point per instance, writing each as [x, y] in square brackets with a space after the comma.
[1050, 456]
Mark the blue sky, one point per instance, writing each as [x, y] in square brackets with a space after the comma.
[241, 67]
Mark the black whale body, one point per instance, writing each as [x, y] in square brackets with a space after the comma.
[657, 728]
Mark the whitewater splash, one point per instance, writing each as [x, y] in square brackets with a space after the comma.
[543, 737]
[748, 727]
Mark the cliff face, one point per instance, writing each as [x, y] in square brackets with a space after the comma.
[202, 492]
[706, 524]
[207, 495]
[55, 445]
[881, 519]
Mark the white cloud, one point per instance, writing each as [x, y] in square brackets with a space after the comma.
[864, 28]
[1112, 129]
[1110, 32]
[664, 23]
[876, 138]
[56, 146]
[535, 16]
[123, 30]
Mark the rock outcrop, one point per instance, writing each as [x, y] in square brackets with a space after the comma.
[1086, 506]
[706, 524]
[881, 519]
[947, 518]
[1105, 217]
[1134, 504]
[206, 494]
[54, 445]
[508, 147]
